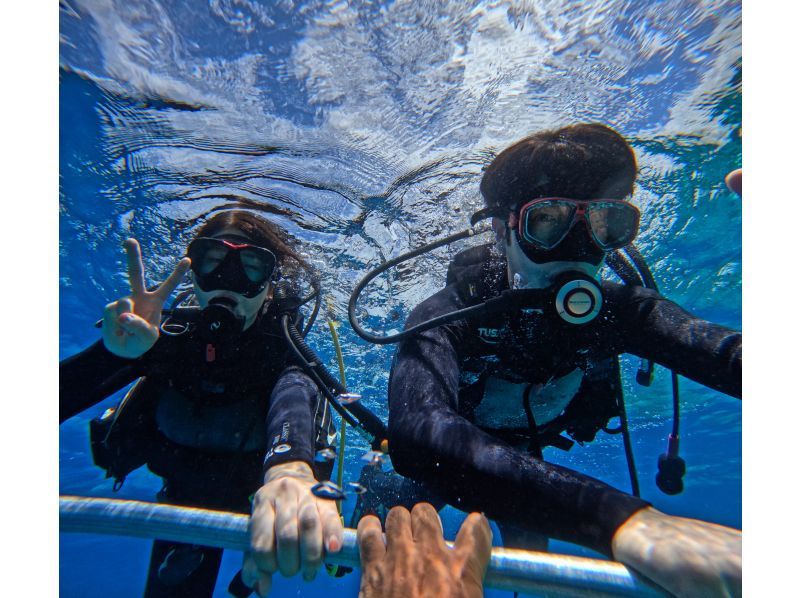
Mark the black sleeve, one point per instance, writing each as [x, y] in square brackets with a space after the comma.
[653, 327]
[474, 471]
[291, 419]
[90, 376]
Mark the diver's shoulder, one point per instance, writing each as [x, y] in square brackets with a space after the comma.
[469, 263]
[630, 292]
[473, 276]
[442, 302]
[631, 301]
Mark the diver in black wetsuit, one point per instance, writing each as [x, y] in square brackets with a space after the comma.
[471, 402]
[219, 412]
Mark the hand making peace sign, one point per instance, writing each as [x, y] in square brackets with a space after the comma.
[131, 324]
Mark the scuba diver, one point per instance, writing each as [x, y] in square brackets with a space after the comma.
[221, 411]
[522, 346]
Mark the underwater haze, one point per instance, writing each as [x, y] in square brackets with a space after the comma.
[363, 128]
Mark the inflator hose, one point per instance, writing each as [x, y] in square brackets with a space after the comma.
[671, 468]
[365, 420]
[395, 338]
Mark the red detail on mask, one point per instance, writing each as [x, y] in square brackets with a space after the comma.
[211, 353]
[235, 245]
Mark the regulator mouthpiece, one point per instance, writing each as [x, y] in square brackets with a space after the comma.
[218, 322]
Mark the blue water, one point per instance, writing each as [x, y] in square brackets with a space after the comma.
[364, 126]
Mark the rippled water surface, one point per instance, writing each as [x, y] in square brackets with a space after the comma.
[363, 127]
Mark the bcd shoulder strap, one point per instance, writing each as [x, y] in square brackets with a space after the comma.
[120, 437]
[478, 273]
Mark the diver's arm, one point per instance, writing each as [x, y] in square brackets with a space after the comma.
[686, 557]
[90, 376]
[430, 442]
[655, 328]
[290, 528]
[290, 420]
[130, 330]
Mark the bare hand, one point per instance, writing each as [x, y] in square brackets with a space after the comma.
[415, 561]
[687, 557]
[131, 324]
[289, 527]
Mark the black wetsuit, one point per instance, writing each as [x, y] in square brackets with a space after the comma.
[438, 378]
[209, 419]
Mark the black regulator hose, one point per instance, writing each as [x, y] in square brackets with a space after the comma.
[623, 268]
[395, 338]
[356, 414]
[671, 467]
[636, 274]
[641, 265]
[316, 294]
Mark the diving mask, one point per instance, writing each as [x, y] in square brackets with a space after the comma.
[220, 264]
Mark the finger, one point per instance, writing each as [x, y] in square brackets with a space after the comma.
[249, 570]
[286, 533]
[310, 531]
[398, 529]
[110, 315]
[371, 546]
[332, 527]
[133, 325]
[475, 535]
[473, 546]
[135, 266]
[173, 280]
[426, 526]
[262, 537]
[252, 577]
[263, 585]
[125, 306]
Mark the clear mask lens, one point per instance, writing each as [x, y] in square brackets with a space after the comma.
[546, 223]
[613, 225]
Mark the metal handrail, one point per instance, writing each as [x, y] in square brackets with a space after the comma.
[514, 570]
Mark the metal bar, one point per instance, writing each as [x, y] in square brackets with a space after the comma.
[514, 570]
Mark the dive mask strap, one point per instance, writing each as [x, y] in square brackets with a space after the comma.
[490, 212]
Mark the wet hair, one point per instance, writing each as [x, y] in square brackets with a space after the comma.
[584, 161]
[263, 233]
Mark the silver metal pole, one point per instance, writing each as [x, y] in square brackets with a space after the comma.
[514, 570]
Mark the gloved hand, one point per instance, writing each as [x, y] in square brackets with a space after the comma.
[687, 557]
[416, 562]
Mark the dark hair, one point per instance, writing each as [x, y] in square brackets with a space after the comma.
[262, 233]
[584, 161]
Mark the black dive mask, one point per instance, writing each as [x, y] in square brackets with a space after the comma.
[576, 246]
[558, 229]
[221, 265]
